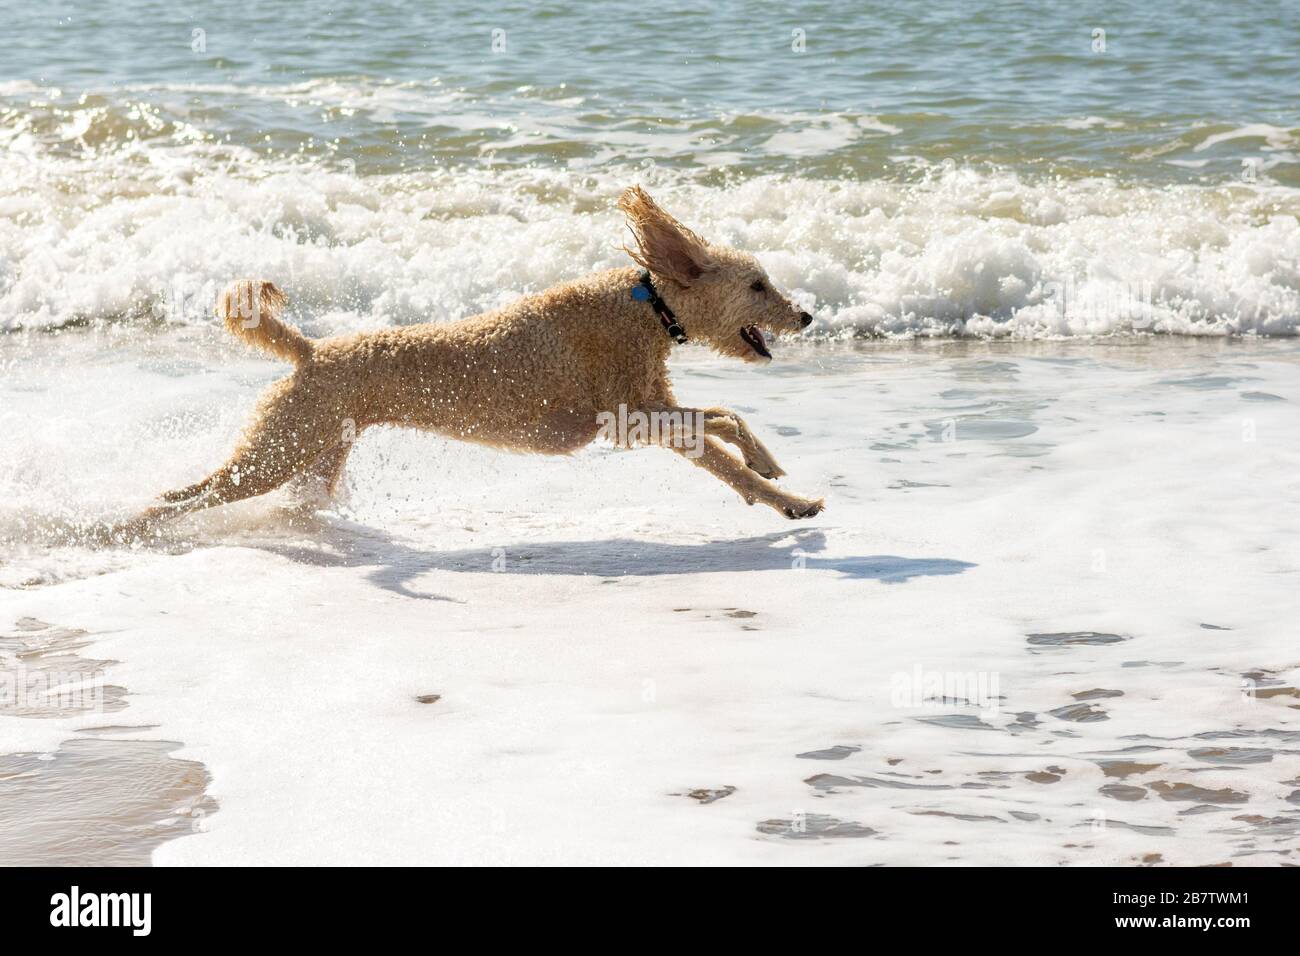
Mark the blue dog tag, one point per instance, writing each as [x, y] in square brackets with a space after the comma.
[640, 293]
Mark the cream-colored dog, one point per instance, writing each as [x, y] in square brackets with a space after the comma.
[538, 375]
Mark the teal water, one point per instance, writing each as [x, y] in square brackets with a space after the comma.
[1175, 91]
[1006, 169]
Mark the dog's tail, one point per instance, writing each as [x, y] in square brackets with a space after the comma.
[251, 310]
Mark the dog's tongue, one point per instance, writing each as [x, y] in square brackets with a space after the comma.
[754, 335]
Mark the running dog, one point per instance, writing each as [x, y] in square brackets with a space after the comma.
[535, 376]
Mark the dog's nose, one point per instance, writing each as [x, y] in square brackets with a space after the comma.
[805, 318]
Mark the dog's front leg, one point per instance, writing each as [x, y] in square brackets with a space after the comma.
[725, 424]
[710, 455]
[730, 427]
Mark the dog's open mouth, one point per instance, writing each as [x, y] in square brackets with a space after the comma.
[753, 337]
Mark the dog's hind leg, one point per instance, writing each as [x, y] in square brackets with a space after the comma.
[715, 459]
[291, 432]
[246, 475]
[184, 494]
[224, 486]
[329, 467]
[321, 478]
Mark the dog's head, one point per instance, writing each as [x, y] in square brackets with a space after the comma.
[720, 296]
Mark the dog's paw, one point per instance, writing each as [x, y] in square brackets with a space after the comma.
[803, 509]
[768, 469]
[765, 466]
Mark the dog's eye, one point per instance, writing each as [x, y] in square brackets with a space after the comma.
[757, 285]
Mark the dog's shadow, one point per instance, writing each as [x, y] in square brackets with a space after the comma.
[395, 564]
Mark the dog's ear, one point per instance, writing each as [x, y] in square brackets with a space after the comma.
[664, 245]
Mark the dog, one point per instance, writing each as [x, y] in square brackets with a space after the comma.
[535, 376]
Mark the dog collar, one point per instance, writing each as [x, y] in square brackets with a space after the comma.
[645, 292]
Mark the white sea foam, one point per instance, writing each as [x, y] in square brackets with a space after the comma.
[153, 231]
[1274, 137]
[1092, 122]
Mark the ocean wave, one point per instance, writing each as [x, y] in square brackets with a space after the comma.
[149, 234]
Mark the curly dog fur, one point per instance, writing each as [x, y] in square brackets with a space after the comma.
[533, 376]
